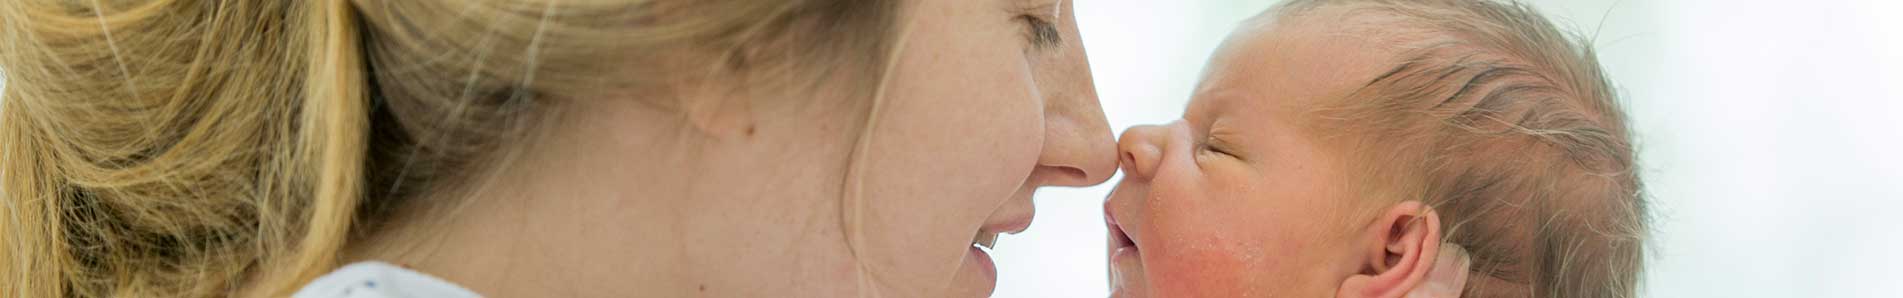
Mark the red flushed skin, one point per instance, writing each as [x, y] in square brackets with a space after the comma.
[1183, 240]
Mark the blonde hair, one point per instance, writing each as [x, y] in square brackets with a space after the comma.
[171, 148]
[1511, 130]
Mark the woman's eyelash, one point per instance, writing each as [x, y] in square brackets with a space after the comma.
[1041, 32]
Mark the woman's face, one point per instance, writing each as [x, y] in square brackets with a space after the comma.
[988, 100]
[1238, 199]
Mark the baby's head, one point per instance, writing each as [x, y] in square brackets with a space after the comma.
[1338, 148]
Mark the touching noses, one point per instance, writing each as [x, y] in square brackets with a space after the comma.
[1141, 148]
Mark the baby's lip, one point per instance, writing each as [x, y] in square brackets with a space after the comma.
[1126, 267]
[1118, 239]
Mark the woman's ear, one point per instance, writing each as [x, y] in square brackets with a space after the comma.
[716, 110]
[1403, 245]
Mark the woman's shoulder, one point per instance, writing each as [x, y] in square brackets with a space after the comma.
[380, 280]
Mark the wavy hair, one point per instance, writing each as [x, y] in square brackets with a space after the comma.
[182, 148]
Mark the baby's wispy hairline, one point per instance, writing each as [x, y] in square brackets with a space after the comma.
[1488, 110]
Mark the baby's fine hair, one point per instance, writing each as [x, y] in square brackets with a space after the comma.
[1510, 129]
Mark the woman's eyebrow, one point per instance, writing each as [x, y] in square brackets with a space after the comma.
[1054, 7]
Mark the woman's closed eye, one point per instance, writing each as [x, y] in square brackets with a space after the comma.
[1041, 32]
[1040, 24]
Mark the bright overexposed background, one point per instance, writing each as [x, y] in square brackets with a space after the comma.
[1768, 132]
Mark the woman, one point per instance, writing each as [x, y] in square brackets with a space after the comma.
[521, 148]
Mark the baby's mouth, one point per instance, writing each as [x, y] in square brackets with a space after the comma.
[1126, 264]
[1118, 239]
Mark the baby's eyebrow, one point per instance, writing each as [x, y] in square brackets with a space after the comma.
[1229, 97]
[1225, 134]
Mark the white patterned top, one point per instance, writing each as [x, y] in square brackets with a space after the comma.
[380, 280]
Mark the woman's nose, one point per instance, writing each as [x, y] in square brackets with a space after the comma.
[1141, 149]
[1078, 151]
[1079, 148]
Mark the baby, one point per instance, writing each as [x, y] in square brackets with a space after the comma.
[1442, 148]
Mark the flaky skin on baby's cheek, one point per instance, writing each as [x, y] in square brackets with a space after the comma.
[1197, 267]
[1218, 253]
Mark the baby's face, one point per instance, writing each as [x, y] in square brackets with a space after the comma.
[1239, 199]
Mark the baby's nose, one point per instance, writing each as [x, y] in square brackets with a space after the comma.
[1141, 148]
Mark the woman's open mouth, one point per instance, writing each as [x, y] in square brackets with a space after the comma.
[981, 246]
[979, 272]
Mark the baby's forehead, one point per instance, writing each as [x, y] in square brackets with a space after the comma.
[1296, 61]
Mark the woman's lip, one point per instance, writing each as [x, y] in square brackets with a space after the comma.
[1007, 226]
[985, 263]
[1014, 217]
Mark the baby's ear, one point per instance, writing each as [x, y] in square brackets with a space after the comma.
[1402, 248]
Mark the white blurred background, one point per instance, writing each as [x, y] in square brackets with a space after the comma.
[1768, 131]
[1768, 134]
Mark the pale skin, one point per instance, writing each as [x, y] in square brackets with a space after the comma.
[1240, 199]
[761, 197]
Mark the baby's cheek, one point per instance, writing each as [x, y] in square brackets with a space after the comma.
[1199, 265]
